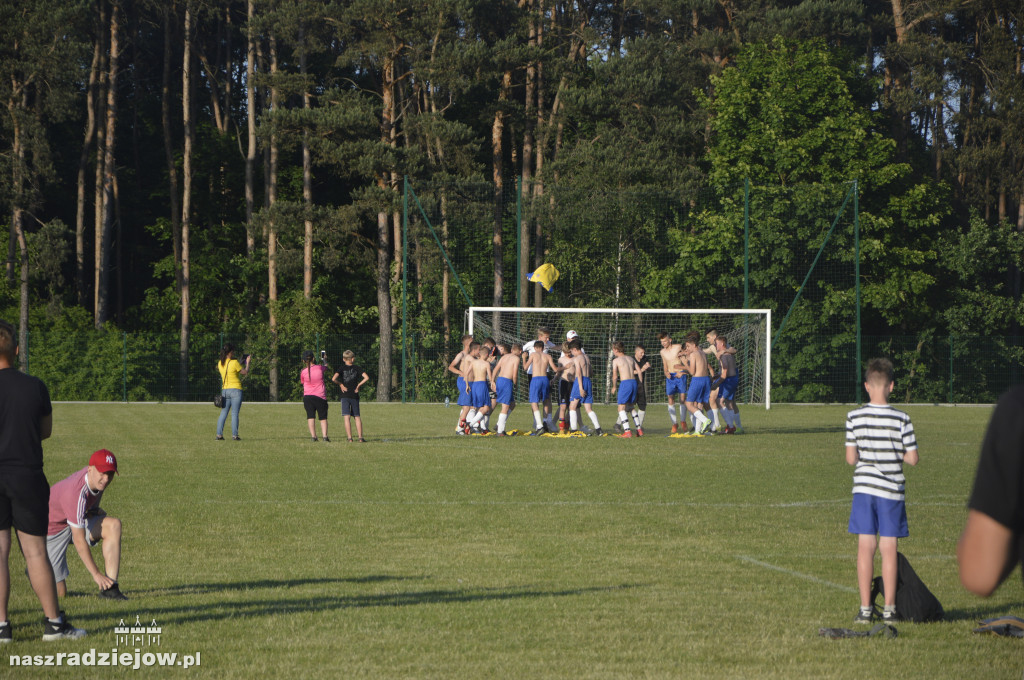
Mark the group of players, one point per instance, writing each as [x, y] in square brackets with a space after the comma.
[488, 372]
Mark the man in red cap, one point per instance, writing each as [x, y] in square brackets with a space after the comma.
[76, 517]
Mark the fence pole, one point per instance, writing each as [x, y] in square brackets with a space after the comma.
[951, 337]
[405, 269]
[519, 228]
[746, 243]
[124, 372]
[856, 277]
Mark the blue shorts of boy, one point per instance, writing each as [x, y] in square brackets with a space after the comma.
[675, 383]
[464, 399]
[349, 407]
[540, 389]
[727, 388]
[589, 399]
[627, 391]
[479, 395]
[700, 390]
[505, 391]
[876, 515]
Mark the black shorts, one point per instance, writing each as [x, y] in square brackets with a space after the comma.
[349, 407]
[24, 501]
[564, 391]
[315, 407]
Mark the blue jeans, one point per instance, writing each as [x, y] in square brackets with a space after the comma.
[232, 401]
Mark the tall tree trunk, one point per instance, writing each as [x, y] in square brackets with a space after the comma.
[527, 159]
[101, 156]
[272, 229]
[83, 168]
[18, 225]
[307, 185]
[250, 109]
[109, 170]
[172, 170]
[538, 185]
[498, 178]
[384, 256]
[187, 90]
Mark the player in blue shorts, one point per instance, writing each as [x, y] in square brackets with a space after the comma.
[700, 383]
[506, 373]
[458, 366]
[582, 391]
[625, 372]
[479, 381]
[675, 379]
[730, 376]
[539, 363]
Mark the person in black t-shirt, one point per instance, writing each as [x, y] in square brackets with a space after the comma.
[992, 543]
[351, 377]
[26, 419]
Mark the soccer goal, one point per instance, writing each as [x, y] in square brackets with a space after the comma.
[748, 330]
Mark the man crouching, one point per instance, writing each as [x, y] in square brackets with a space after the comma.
[76, 517]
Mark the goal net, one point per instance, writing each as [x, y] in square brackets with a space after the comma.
[748, 330]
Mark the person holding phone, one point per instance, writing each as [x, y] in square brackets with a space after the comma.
[314, 393]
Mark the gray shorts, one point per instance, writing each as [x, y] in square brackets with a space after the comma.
[57, 546]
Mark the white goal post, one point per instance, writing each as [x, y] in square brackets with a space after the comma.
[748, 330]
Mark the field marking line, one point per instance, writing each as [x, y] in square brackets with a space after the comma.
[806, 577]
[638, 504]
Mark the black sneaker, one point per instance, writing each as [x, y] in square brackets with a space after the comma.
[362, 441]
[113, 593]
[888, 615]
[237, 439]
[313, 438]
[596, 433]
[327, 439]
[5, 632]
[60, 631]
[539, 431]
[863, 616]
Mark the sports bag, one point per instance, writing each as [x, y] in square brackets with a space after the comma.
[914, 602]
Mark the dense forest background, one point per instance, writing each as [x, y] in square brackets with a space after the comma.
[236, 167]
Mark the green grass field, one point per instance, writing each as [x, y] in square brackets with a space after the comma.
[424, 555]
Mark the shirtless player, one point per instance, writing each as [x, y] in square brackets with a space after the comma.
[479, 378]
[625, 372]
[538, 365]
[675, 378]
[506, 374]
[700, 383]
[582, 391]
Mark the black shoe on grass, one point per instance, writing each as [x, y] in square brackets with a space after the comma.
[60, 631]
[113, 593]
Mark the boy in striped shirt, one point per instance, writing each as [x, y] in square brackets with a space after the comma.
[879, 439]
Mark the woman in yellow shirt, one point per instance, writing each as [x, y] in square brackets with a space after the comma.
[231, 387]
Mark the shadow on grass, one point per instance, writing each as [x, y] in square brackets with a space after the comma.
[818, 429]
[987, 611]
[234, 586]
[242, 608]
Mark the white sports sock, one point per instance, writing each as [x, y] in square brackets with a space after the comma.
[714, 418]
[736, 417]
[640, 418]
[475, 420]
[502, 418]
[593, 419]
[487, 420]
[682, 411]
[672, 414]
[624, 420]
[699, 417]
[470, 415]
[573, 420]
[537, 421]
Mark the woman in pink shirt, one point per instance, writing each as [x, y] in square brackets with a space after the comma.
[314, 393]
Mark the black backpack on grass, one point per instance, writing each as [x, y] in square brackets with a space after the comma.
[914, 602]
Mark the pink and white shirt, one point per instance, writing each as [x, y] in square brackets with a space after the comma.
[70, 499]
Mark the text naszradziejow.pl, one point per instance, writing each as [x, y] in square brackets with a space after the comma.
[136, 659]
